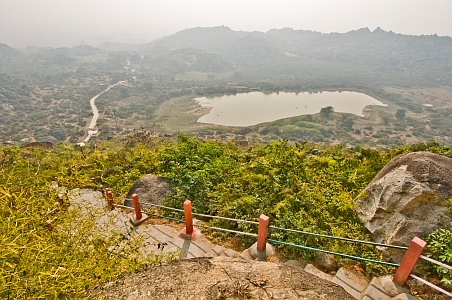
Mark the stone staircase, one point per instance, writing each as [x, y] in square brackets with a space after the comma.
[166, 239]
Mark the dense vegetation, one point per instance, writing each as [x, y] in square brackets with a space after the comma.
[48, 251]
[46, 91]
[44, 257]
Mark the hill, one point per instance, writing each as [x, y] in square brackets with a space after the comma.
[411, 74]
[368, 58]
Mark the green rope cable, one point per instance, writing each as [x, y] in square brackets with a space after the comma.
[335, 253]
[339, 238]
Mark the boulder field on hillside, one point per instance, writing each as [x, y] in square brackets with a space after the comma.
[409, 197]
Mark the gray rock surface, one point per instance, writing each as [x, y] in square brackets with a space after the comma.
[391, 288]
[407, 198]
[48, 138]
[150, 189]
[326, 262]
[314, 271]
[295, 263]
[220, 278]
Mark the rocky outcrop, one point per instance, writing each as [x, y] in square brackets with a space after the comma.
[407, 198]
[48, 138]
[150, 189]
[42, 145]
[220, 278]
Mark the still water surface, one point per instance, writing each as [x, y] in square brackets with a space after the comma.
[254, 108]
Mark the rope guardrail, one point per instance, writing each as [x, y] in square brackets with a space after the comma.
[160, 206]
[228, 230]
[149, 214]
[436, 262]
[431, 285]
[227, 219]
[198, 214]
[335, 253]
[412, 254]
[339, 238]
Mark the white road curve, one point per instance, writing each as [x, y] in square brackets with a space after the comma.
[93, 122]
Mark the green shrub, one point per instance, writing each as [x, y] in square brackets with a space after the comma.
[297, 190]
[439, 244]
[48, 251]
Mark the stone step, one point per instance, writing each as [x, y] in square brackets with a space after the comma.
[215, 251]
[352, 282]
[314, 271]
[230, 253]
[404, 296]
[357, 285]
[382, 288]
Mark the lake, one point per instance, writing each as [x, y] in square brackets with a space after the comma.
[253, 108]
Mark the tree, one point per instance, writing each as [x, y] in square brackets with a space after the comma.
[124, 92]
[326, 111]
[114, 111]
[347, 123]
[385, 117]
[400, 114]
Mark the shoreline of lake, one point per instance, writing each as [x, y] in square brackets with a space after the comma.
[252, 108]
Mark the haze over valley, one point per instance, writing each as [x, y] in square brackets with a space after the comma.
[45, 92]
[319, 128]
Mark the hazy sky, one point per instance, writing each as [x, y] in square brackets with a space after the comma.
[71, 22]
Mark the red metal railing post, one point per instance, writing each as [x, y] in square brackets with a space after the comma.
[93, 180]
[110, 200]
[262, 232]
[188, 217]
[136, 206]
[409, 260]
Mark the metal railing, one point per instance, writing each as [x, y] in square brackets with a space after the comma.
[404, 268]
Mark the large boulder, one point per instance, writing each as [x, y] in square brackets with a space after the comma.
[408, 198]
[150, 189]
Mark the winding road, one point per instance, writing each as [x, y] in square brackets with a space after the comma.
[93, 122]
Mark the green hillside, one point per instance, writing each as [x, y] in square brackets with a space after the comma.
[47, 90]
[44, 256]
